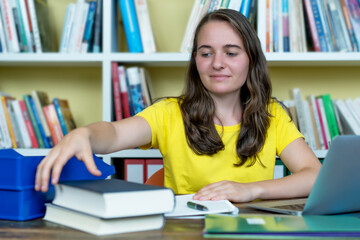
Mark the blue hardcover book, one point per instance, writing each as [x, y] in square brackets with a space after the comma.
[88, 32]
[60, 115]
[38, 121]
[285, 19]
[245, 7]
[96, 43]
[17, 178]
[327, 31]
[131, 25]
[319, 26]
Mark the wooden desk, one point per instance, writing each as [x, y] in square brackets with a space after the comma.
[174, 229]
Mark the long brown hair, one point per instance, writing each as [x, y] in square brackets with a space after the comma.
[198, 108]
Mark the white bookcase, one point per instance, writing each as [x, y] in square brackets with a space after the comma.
[163, 59]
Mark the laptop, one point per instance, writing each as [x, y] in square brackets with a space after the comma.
[337, 187]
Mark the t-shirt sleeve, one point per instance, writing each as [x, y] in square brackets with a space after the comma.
[286, 131]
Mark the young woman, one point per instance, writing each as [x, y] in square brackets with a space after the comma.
[221, 137]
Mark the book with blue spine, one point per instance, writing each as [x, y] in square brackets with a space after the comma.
[68, 24]
[131, 25]
[96, 44]
[88, 32]
[326, 27]
[33, 121]
[60, 116]
[319, 26]
[39, 124]
[245, 7]
[285, 19]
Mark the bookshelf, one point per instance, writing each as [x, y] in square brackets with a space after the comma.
[85, 79]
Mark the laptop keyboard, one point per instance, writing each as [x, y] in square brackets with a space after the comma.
[297, 207]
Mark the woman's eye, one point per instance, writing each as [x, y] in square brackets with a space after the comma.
[231, 54]
[205, 54]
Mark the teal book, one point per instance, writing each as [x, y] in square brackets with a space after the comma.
[33, 121]
[280, 226]
[330, 115]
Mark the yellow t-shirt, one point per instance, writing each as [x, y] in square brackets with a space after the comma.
[187, 172]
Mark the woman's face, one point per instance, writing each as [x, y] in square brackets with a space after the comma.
[221, 59]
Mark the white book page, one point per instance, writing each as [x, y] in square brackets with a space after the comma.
[181, 209]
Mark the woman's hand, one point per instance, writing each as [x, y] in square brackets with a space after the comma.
[76, 143]
[232, 191]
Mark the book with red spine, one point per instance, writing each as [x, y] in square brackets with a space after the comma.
[116, 91]
[28, 124]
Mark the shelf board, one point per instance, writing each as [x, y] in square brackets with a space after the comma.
[134, 153]
[51, 59]
[152, 59]
[314, 59]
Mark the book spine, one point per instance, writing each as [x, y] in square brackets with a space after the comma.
[8, 121]
[53, 122]
[67, 28]
[29, 127]
[38, 123]
[80, 33]
[21, 25]
[245, 7]
[4, 128]
[325, 122]
[33, 121]
[116, 91]
[319, 26]
[310, 12]
[275, 26]
[349, 124]
[3, 41]
[76, 27]
[27, 25]
[146, 33]
[9, 24]
[23, 132]
[330, 115]
[97, 28]
[60, 116]
[349, 26]
[135, 88]
[326, 27]
[124, 92]
[34, 25]
[131, 25]
[16, 128]
[285, 19]
[89, 26]
[354, 11]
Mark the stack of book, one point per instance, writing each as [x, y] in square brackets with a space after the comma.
[104, 207]
[131, 90]
[321, 118]
[312, 25]
[137, 26]
[25, 26]
[201, 7]
[82, 27]
[34, 121]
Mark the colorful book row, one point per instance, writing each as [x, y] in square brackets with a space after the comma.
[321, 118]
[25, 26]
[34, 121]
[201, 7]
[312, 25]
[130, 90]
[82, 27]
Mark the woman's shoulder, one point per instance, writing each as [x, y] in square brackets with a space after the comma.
[276, 106]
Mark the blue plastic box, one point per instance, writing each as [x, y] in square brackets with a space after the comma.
[18, 199]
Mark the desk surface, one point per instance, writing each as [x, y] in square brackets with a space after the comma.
[174, 229]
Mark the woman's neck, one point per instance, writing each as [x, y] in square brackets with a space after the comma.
[228, 110]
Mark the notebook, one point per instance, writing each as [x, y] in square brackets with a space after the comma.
[336, 189]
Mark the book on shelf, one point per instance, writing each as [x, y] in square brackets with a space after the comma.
[245, 7]
[146, 33]
[5, 102]
[114, 198]
[77, 31]
[23, 6]
[330, 115]
[89, 27]
[311, 12]
[20, 121]
[99, 226]
[252, 226]
[96, 44]
[133, 74]
[11, 34]
[53, 123]
[352, 36]
[62, 107]
[324, 121]
[349, 124]
[33, 22]
[45, 25]
[5, 132]
[28, 124]
[68, 24]
[28, 99]
[124, 94]
[131, 26]
[116, 92]
[145, 86]
[3, 43]
[353, 7]
[41, 99]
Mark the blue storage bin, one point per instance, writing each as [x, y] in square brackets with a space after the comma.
[18, 199]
